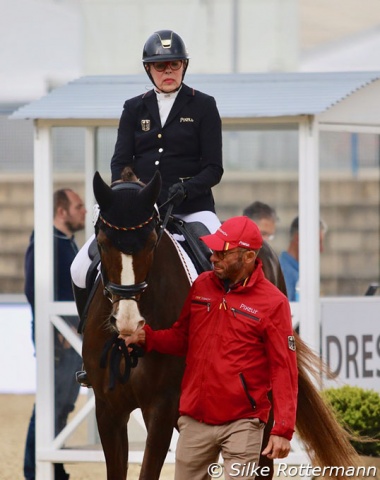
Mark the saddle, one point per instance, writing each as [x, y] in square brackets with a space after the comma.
[197, 251]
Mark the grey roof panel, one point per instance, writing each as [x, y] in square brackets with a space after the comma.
[237, 95]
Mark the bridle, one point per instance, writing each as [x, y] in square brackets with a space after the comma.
[131, 292]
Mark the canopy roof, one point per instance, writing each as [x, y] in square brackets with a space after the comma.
[237, 95]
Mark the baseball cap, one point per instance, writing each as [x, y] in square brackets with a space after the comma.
[236, 232]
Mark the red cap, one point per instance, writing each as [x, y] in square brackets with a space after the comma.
[236, 232]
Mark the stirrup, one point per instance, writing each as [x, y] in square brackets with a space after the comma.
[82, 379]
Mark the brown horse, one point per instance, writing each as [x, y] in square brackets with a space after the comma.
[144, 279]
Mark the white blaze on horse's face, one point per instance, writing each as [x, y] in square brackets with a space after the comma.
[128, 316]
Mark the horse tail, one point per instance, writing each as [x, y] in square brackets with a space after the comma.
[326, 441]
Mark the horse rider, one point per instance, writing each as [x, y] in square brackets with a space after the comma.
[171, 128]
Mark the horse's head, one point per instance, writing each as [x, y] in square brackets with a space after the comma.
[126, 232]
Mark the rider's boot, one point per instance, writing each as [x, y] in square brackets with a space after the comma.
[82, 379]
[81, 299]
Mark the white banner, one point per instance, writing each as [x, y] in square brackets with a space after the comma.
[16, 349]
[351, 341]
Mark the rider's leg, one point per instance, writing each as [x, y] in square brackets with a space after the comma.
[209, 219]
[79, 270]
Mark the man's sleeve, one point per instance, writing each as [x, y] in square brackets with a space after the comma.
[281, 349]
[174, 340]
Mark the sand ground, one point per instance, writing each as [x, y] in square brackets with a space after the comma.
[15, 411]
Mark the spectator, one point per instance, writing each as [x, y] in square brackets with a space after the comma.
[235, 331]
[289, 259]
[69, 217]
[264, 216]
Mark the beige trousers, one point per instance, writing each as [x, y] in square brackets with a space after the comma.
[199, 446]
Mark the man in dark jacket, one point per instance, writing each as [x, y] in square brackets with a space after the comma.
[69, 217]
[236, 332]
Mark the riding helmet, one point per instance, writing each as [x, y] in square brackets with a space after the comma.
[164, 45]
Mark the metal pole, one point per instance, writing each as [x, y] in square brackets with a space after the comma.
[235, 36]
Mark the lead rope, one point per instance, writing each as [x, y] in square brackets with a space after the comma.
[118, 350]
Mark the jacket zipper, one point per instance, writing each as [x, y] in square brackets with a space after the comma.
[250, 398]
[198, 302]
[245, 314]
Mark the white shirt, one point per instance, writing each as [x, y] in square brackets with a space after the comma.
[165, 102]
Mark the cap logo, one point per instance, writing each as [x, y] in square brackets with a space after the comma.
[222, 232]
[243, 243]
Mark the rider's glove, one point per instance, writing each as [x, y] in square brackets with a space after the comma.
[177, 194]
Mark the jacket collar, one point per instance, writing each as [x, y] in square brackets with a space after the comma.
[183, 97]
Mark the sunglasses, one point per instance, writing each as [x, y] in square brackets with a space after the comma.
[222, 254]
[161, 66]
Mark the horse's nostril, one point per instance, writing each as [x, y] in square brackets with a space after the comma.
[140, 324]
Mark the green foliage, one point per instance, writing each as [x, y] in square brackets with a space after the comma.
[358, 410]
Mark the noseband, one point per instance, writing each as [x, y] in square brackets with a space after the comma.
[124, 292]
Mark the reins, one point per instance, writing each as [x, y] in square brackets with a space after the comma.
[163, 224]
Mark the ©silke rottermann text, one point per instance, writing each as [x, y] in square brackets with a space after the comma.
[284, 470]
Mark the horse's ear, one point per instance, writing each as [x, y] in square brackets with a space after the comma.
[152, 190]
[102, 192]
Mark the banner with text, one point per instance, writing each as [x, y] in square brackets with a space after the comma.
[351, 341]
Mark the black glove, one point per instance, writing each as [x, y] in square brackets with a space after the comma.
[177, 194]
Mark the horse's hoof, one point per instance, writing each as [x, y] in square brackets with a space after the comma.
[82, 379]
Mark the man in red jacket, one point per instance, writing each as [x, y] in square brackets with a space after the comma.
[236, 333]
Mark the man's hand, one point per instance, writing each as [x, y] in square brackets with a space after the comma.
[177, 194]
[137, 337]
[278, 447]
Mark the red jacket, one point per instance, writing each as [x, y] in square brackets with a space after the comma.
[239, 345]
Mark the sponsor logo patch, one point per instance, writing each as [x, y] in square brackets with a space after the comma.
[292, 343]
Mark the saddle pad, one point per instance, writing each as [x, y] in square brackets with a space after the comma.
[188, 265]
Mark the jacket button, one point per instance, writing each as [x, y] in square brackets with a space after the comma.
[159, 135]
[156, 162]
[160, 150]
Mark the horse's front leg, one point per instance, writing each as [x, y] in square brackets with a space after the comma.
[160, 420]
[114, 438]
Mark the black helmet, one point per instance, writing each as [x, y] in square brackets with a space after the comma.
[164, 45]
